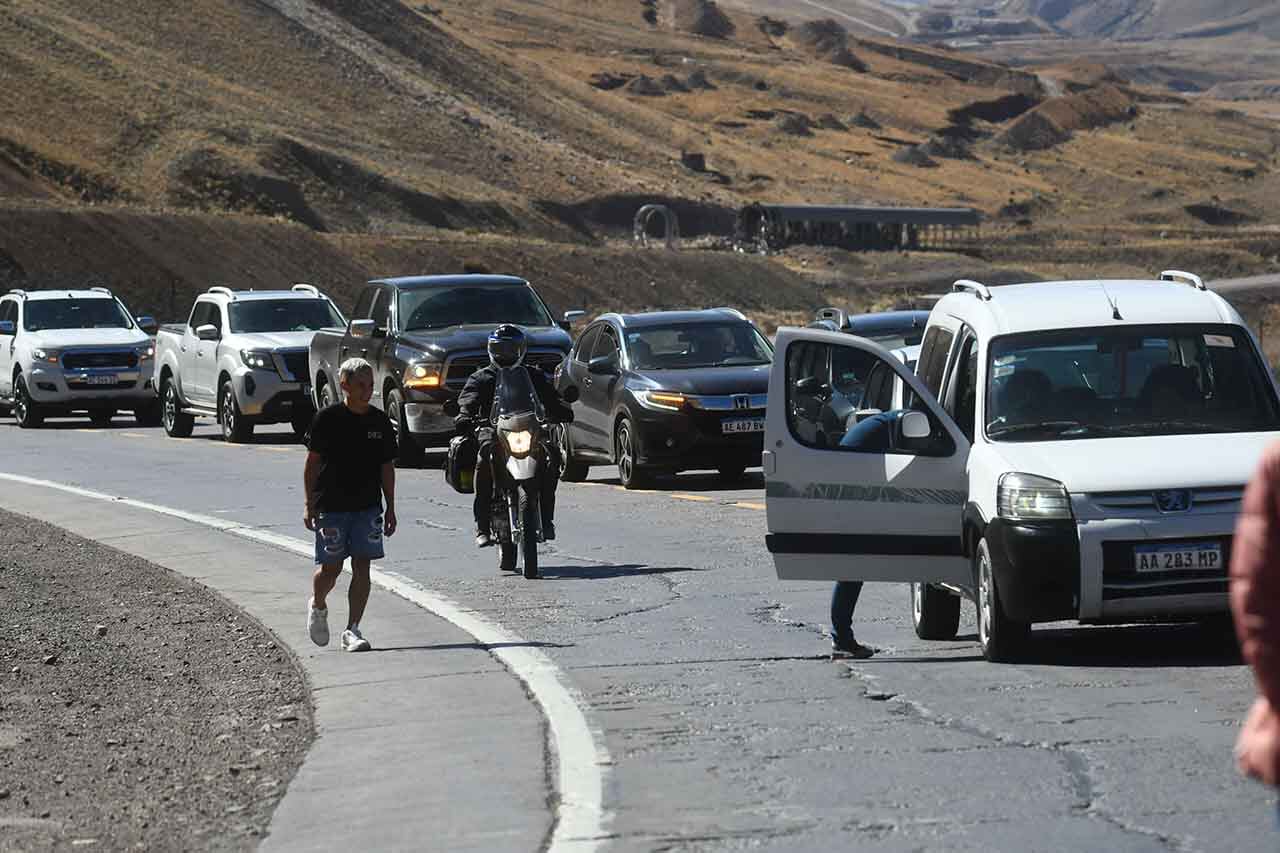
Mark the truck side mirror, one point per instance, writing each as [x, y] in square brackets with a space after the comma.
[147, 324]
[8, 327]
[361, 328]
[570, 317]
[571, 394]
[207, 332]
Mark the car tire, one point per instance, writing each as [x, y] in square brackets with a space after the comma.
[408, 453]
[101, 418]
[732, 473]
[1003, 640]
[176, 423]
[236, 428]
[935, 613]
[149, 415]
[626, 444]
[572, 472]
[25, 410]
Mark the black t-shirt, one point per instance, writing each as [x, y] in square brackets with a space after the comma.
[353, 448]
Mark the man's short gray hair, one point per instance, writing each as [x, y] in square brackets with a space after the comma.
[352, 367]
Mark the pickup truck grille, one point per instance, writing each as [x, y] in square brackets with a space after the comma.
[81, 359]
[461, 367]
[297, 363]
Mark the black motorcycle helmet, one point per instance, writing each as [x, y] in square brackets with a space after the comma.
[507, 346]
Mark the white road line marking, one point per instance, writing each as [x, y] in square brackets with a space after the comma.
[579, 750]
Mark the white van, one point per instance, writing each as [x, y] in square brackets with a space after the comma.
[1064, 450]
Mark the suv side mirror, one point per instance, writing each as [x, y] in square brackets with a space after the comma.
[147, 324]
[8, 327]
[361, 328]
[603, 365]
[207, 332]
[570, 317]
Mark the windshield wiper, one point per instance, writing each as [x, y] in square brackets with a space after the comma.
[1057, 428]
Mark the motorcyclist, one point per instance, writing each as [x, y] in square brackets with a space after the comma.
[507, 347]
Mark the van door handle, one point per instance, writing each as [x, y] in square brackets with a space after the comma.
[769, 461]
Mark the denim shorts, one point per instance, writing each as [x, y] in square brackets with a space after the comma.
[340, 535]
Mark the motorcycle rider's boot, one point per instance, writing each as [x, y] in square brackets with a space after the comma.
[484, 538]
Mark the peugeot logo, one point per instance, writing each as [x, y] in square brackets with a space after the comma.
[741, 401]
[1173, 500]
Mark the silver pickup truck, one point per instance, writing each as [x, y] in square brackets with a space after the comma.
[241, 358]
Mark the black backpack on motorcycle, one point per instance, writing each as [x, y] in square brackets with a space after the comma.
[460, 466]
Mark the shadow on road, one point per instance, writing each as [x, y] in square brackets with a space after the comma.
[268, 438]
[1135, 646]
[700, 482]
[479, 647]
[621, 570]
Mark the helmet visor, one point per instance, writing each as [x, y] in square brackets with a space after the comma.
[506, 353]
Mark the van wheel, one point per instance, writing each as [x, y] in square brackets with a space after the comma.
[408, 453]
[572, 472]
[630, 474]
[935, 613]
[732, 473]
[25, 410]
[1003, 640]
[236, 428]
[176, 423]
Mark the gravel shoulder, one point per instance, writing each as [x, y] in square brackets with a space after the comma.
[138, 709]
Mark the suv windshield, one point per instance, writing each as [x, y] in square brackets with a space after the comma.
[691, 345]
[1129, 381]
[91, 313]
[438, 307]
[283, 315]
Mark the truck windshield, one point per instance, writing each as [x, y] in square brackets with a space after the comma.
[438, 307]
[283, 315]
[101, 313]
[1128, 381]
[691, 345]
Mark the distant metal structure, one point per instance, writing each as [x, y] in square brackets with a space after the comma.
[769, 227]
[646, 214]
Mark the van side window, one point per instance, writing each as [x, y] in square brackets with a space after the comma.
[964, 400]
[933, 358]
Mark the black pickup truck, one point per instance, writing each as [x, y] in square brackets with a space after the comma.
[424, 335]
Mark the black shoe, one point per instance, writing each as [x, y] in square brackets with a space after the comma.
[548, 531]
[851, 648]
[484, 539]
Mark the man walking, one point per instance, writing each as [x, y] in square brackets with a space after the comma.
[350, 470]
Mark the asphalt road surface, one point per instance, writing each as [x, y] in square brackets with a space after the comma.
[728, 726]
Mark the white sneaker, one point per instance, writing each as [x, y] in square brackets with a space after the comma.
[354, 641]
[317, 623]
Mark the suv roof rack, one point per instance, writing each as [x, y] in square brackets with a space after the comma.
[223, 290]
[835, 315]
[100, 290]
[1184, 277]
[303, 287]
[977, 288]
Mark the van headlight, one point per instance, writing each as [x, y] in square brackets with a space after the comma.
[1026, 497]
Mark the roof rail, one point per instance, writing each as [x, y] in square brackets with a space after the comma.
[303, 287]
[223, 290]
[18, 292]
[835, 315]
[733, 311]
[1184, 277]
[100, 290]
[977, 288]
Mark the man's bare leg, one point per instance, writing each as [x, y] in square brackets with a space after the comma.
[358, 592]
[323, 580]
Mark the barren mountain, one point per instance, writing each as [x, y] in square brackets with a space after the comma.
[1150, 19]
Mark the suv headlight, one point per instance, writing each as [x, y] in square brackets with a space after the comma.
[145, 352]
[49, 356]
[258, 359]
[1026, 497]
[423, 376]
[664, 401]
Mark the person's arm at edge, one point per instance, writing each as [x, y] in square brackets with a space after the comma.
[1255, 581]
[310, 485]
[389, 496]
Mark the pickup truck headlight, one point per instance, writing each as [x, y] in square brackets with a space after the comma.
[145, 352]
[665, 401]
[50, 356]
[423, 376]
[1026, 497]
[258, 359]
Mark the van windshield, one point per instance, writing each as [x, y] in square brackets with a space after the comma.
[1127, 381]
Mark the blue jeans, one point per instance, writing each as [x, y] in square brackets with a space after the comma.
[340, 535]
[843, 599]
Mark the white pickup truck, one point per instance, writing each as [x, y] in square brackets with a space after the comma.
[241, 358]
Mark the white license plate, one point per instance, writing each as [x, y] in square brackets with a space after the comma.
[1187, 557]
[101, 379]
[750, 425]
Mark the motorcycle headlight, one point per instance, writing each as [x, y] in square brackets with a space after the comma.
[257, 359]
[667, 401]
[519, 443]
[49, 356]
[1026, 497]
[145, 352]
[423, 376]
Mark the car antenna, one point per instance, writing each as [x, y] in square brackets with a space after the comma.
[1115, 309]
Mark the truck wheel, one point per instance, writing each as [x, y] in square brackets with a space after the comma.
[101, 418]
[176, 423]
[408, 453]
[25, 410]
[1003, 640]
[935, 613]
[630, 474]
[149, 415]
[572, 472]
[325, 397]
[236, 428]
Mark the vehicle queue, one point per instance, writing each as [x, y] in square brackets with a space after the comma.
[1012, 446]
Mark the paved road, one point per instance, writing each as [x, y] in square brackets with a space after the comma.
[727, 726]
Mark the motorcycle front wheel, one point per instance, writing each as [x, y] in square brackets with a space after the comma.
[529, 505]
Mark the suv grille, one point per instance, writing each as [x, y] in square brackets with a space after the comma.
[100, 358]
[461, 367]
[297, 362]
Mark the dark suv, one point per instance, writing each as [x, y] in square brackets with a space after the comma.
[667, 392]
